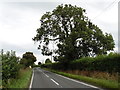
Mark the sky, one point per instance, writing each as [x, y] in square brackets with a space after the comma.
[19, 20]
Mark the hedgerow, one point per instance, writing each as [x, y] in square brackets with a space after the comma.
[106, 63]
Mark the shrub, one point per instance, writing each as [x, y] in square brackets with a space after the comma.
[10, 66]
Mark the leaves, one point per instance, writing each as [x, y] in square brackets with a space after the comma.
[28, 59]
[47, 61]
[74, 34]
[10, 65]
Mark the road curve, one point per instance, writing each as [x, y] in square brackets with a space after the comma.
[46, 79]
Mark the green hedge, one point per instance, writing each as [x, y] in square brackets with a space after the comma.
[108, 63]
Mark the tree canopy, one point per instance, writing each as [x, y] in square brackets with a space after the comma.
[28, 59]
[73, 33]
[39, 63]
[48, 60]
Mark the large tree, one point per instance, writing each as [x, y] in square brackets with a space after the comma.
[48, 60]
[73, 33]
[28, 59]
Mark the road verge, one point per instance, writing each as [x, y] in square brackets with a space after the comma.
[102, 83]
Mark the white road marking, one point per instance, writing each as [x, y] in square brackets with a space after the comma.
[79, 82]
[46, 75]
[54, 81]
[39, 70]
[31, 80]
[43, 73]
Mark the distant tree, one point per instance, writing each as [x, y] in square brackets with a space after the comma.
[39, 63]
[28, 59]
[74, 34]
[48, 60]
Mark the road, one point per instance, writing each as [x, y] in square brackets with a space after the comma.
[45, 79]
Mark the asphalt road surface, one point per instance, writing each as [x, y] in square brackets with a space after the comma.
[45, 79]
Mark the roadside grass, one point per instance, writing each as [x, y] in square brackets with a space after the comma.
[0, 82]
[94, 74]
[23, 79]
[102, 83]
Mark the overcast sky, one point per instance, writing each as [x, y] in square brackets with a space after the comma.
[19, 20]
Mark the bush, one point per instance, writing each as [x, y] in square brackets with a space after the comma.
[47, 65]
[108, 63]
[81, 64]
[10, 66]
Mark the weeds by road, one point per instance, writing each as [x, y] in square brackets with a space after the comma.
[23, 79]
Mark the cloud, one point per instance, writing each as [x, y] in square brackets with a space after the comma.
[20, 50]
[18, 25]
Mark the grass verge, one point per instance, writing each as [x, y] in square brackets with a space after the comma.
[94, 81]
[23, 79]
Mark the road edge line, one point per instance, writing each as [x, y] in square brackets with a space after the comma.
[31, 80]
[79, 82]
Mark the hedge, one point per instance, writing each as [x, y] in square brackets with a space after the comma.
[108, 63]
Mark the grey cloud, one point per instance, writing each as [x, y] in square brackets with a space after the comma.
[42, 6]
[19, 49]
[13, 12]
[119, 26]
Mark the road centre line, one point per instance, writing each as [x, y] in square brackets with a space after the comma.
[72, 80]
[43, 73]
[80, 82]
[46, 75]
[54, 81]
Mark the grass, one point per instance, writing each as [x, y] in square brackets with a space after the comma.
[94, 74]
[23, 79]
[103, 83]
[0, 83]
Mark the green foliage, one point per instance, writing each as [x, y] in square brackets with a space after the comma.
[106, 63]
[28, 59]
[48, 60]
[74, 34]
[10, 66]
[23, 79]
[47, 65]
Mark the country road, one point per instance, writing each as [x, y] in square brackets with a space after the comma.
[45, 79]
